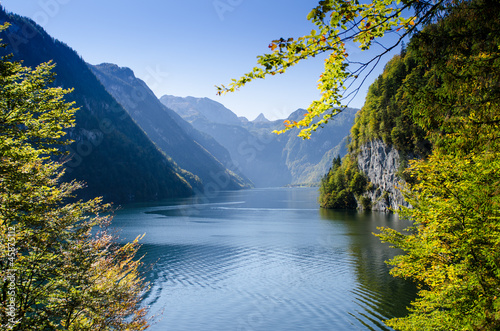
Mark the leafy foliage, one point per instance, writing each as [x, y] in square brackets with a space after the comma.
[55, 272]
[446, 85]
[452, 250]
[343, 184]
[454, 92]
[386, 113]
[339, 22]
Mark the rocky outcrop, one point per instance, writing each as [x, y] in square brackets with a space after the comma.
[381, 163]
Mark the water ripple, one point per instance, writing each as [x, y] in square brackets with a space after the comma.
[232, 266]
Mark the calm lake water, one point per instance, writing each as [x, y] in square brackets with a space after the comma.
[265, 259]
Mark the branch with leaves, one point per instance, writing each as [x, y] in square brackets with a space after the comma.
[338, 22]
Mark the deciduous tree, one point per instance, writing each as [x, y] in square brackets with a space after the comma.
[452, 250]
[60, 269]
[453, 93]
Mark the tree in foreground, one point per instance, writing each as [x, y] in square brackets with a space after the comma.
[453, 248]
[59, 266]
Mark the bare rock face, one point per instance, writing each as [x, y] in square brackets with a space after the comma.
[381, 163]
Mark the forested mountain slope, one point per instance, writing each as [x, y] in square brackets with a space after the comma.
[110, 153]
[384, 138]
[177, 138]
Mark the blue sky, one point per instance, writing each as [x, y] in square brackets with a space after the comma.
[185, 47]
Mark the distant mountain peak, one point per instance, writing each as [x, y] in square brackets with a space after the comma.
[261, 118]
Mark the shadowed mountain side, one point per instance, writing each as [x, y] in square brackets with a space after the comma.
[266, 158]
[259, 157]
[163, 126]
[111, 153]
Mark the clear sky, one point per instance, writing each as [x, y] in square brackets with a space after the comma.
[185, 47]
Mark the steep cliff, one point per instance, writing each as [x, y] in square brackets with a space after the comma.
[382, 140]
[381, 163]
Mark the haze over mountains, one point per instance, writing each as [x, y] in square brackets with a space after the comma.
[190, 149]
[128, 146]
[266, 158]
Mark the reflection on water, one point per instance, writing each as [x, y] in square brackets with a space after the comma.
[379, 295]
[265, 260]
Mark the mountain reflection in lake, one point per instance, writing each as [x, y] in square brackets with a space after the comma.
[265, 259]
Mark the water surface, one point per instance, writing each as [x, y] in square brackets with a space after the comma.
[265, 259]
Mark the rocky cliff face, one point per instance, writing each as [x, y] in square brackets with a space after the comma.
[381, 162]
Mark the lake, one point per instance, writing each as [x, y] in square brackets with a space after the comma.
[265, 259]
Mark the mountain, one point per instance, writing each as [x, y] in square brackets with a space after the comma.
[199, 109]
[110, 153]
[261, 118]
[258, 156]
[384, 138]
[168, 130]
[264, 157]
[308, 160]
